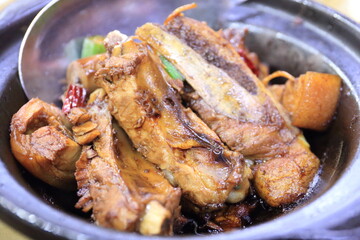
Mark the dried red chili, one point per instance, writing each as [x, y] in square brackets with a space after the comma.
[248, 62]
[75, 97]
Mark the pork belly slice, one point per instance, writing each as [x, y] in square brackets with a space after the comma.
[244, 114]
[167, 134]
[124, 191]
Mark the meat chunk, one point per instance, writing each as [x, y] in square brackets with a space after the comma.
[218, 83]
[168, 135]
[285, 178]
[235, 104]
[82, 71]
[311, 99]
[125, 191]
[204, 41]
[41, 141]
[246, 137]
[287, 168]
[228, 218]
[232, 216]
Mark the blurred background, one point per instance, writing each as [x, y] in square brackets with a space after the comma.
[349, 8]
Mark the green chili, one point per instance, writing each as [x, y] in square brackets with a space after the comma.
[92, 46]
[171, 69]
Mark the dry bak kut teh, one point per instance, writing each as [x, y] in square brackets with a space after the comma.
[176, 126]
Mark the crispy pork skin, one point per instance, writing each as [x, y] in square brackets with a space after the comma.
[124, 190]
[41, 141]
[168, 135]
[235, 104]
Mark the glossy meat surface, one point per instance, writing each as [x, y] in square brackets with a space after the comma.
[285, 178]
[311, 99]
[247, 119]
[83, 71]
[204, 41]
[41, 141]
[124, 190]
[167, 134]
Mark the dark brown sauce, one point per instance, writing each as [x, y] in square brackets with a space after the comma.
[60, 199]
[259, 212]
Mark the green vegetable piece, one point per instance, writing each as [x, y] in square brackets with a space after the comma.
[171, 69]
[92, 46]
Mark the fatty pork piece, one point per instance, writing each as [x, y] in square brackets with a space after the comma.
[167, 134]
[42, 142]
[234, 103]
[125, 191]
[82, 71]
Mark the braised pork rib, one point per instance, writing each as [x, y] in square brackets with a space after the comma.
[167, 134]
[235, 104]
[123, 189]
